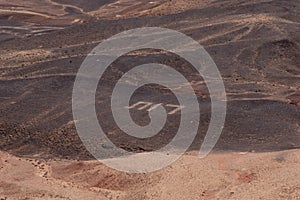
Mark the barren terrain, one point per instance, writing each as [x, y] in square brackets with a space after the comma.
[255, 45]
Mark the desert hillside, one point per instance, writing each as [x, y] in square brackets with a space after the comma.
[256, 46]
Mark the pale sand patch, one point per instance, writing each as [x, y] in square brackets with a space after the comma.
[238, 175]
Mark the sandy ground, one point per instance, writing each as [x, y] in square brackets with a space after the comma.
[218, 176]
